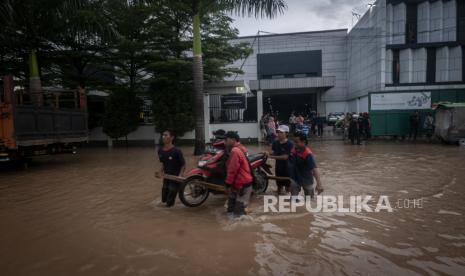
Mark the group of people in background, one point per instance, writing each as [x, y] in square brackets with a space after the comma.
[297, 122]
[428, 125]
[358, 127]
[313, 120]
[268, 127]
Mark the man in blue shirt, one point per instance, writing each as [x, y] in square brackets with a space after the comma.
[302, 168]
[281, 150]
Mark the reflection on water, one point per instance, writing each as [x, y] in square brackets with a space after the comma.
[99, 213]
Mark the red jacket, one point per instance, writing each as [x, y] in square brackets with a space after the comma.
[238, 168]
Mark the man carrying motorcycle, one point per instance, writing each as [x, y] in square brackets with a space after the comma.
[281, 149]
[303, 168]
[238, 175]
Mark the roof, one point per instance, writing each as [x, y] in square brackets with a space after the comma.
[451, 105]
[227, 87]
[294, 33]
[292, 83]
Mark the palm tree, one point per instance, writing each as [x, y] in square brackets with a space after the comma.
[36, 26]
[26, 20]
[257, 8]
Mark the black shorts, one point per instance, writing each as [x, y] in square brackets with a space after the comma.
[282, 173]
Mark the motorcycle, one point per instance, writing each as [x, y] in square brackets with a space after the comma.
[304, 129]
[210, 173]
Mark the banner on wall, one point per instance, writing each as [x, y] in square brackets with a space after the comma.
[400, 101]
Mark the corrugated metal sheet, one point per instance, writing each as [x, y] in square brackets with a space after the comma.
[293, 83]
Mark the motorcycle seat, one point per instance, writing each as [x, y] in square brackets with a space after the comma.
[254, 157]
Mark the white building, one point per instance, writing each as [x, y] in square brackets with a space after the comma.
[397, 46]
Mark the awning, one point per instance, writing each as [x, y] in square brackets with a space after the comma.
[227, 87]
[293, 83]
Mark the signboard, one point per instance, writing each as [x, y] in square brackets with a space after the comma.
[233, 101]
[402, 101]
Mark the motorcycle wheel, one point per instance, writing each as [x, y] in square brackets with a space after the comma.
[261, 182]
[193, 194]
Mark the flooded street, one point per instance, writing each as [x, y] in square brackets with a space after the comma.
[98, 213]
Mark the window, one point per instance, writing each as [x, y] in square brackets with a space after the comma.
[463, 63]
[411, 24]
[271, 65]
[146, 112]
[431, 65]
[461, 21]
[395, 66]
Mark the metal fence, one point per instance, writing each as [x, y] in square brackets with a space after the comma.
[220, 115]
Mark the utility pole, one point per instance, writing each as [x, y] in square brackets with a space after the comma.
[258, 61]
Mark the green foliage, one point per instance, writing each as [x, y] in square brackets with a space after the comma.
[172, 106]
[142, 46]
[218, 51]
[122, 113]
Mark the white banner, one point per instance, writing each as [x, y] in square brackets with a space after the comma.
[405, 101]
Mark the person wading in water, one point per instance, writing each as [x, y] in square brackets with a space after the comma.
[238, 175]
[173, 163]
[302, 168]
[281, 149]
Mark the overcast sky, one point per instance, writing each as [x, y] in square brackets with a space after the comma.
[306, 15]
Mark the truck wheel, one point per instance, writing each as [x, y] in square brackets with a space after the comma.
[193, 194]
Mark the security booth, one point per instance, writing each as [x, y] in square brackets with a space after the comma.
[230, 105]
[450, 122]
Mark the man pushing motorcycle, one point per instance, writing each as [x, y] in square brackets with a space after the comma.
[239, 178]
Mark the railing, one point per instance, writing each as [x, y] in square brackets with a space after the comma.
[219, 115]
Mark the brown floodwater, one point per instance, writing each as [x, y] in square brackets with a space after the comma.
[98, 213]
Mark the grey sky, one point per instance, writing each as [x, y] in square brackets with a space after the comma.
[306, 15]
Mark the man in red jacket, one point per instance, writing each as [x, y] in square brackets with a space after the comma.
[238, 175]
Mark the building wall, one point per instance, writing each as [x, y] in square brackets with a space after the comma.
[245, 130]
[397, 15]
[332, 43]
[366, 52]
[147, 133]
[341, 106]
[437, 23]
[358, 105]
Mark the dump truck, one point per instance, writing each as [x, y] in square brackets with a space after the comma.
[28, 129]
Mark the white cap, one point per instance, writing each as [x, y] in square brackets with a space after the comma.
[283, 128]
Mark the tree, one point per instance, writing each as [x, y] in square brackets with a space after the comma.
[44, 31]
[258, 8]
[133, 50]
[122, 114]
[172, 71]
[172, 108]
[218, 51]
[85, 32]
[31, 22]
